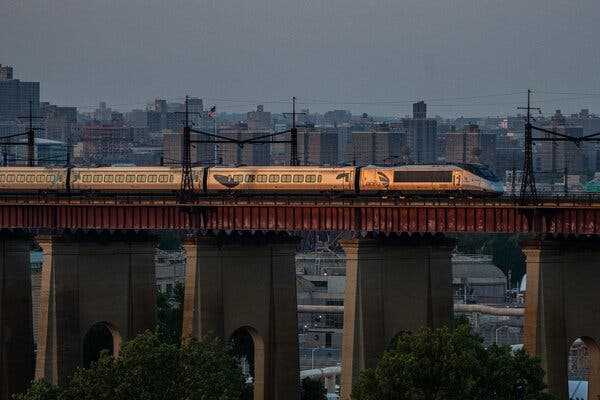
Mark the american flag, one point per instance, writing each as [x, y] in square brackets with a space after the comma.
[212, 112]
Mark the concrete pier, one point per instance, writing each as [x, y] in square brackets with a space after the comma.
[562, 304]
[247, 283]
[393, 285]
[92, 285]
[16, 330]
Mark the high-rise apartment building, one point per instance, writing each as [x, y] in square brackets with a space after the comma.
[17, 96]
[60, 122]
[106, 144]
[259, 120]
[309, 146]
[173, 147]
[421, 135]
[248, 154]
[6, 72]
[368, 148]
[556, 157]
[471, 146]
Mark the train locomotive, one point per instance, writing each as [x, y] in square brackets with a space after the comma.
[407, 180]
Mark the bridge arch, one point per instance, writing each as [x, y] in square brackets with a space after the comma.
[584, 365]
[101, 336]
[249, 346]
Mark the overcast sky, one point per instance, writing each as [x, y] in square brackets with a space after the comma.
[465, 57]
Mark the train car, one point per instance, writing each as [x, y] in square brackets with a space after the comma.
[134, 180]
[281, 179]
[32, 179]
[431, 180]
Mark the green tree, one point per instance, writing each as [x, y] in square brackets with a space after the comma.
[313, 389]
[41, 390]
[446, 364]
[148, 368]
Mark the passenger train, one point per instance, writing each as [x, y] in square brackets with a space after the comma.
[471, 179]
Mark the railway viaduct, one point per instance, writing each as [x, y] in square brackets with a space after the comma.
[97, 279]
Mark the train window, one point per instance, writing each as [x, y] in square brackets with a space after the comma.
[238, 178]
[20, 178]
[2, 178]
[298, 178]
[261, 178]
[319, 178]
[87, 178]
[108, 178]
[39, 179]
[171, 178]
[119, 178]
[30, 178]
[250, 178]
[97, 178]
[422, 176]
[141, 178]
[10, 178]
[130, 178]
[273, 178]
[163, 178]
[311, 178]
[286, 178]
[152, 178]
[49, 178]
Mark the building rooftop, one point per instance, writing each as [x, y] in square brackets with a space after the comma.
[476, 267]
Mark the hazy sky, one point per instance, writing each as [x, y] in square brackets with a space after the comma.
[456, 54]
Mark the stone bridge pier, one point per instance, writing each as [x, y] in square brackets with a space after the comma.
[562, 305]
[393, 285]
[96, 291]
[243, 288]
[16, 333]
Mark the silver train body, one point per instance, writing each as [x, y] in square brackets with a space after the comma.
[372, 180]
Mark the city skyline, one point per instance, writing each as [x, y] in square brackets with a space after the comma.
[328, 54]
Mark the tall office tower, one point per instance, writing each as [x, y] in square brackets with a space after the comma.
[16, 97]
[471, 146]
[421, 135]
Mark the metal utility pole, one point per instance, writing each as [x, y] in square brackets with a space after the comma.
[215, 138]
[528, 179]
[294, 136]
[187, 182]
[528, 183]
[30, 138]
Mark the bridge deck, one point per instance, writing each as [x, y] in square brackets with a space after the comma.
[559, 216]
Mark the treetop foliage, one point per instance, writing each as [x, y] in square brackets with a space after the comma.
[147, 368]
[451, 364]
